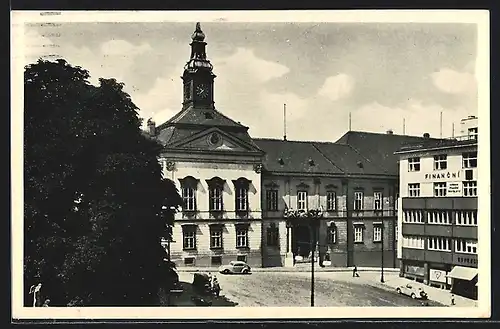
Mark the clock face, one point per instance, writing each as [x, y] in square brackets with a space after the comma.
[202, 90]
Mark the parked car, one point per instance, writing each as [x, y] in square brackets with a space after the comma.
[413, 292]
[235, 267]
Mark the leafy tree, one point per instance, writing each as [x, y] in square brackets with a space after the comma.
[94, 192]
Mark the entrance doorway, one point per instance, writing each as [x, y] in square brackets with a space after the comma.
[301, 241]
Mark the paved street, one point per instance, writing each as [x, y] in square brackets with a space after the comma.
[293, 289]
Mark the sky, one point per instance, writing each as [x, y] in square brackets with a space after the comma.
[381, 73]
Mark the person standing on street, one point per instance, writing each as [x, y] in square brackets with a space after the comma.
[355, 272]
[452, 300]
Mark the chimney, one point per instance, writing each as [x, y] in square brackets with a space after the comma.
[151, 127]
[390, 132]
[426, 135]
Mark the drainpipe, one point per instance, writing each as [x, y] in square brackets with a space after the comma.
[345, 182]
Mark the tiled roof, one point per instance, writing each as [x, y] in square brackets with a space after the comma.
[293, 157]
[191, 121]
[348, 159]
[379, 148]
[196, 116]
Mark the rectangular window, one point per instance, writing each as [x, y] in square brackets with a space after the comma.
[273, 236]
[472, 133]
[358, 200]
[189, 198]
[358, 233]
[216, 260]
[272, 200]
[215, 199]
[331, 203]
[466, 218]
[377, 233]
[241, 258]
[414, 190]
[469, 160]
[438, 244]
[413, 216]
[414, 164]
[302, 200]
[377, 196]
[439, 217]
[215, 238]
[241, 237]
[413, 242]
[241, 199]
[470, 188]
[466, 246]
[440, 189]
[189, 239]
[440, 162]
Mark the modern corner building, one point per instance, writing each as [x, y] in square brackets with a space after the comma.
[438, 211]
[236, 189]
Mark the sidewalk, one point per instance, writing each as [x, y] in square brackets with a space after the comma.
[442, 296]
[296, 268]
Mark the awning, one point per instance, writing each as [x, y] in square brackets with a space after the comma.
[463, 273]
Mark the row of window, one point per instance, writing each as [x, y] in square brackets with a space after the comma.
[462, 217]
[189, 238]
[215, 194]
[241, 199]
[440, 244]
[216, 237]
[469, 188]
[469, 160]
[359, 233]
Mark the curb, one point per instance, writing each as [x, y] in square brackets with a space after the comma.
[290, 270]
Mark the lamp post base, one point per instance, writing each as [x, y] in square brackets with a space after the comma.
[289, 259]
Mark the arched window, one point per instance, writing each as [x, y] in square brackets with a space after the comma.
[189, 187]
[332, 233]
[215, 189]
[241, 186]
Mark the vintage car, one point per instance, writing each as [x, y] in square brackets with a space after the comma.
[413, 292]
[235, 267]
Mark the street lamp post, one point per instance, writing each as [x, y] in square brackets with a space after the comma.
[312, 217]
[382, 257]
[313, 249]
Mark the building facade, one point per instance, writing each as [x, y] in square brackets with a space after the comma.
[237, 190]
[437, 243]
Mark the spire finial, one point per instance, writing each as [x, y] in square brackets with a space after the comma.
[198, 34]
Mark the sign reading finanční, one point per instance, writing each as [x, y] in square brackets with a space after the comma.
[443, 175]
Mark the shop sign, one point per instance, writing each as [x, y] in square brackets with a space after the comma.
[438, 276]
[415, 270]
[443, 175]
[453, 189]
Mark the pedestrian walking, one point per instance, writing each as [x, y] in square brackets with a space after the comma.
[452, 299]
[355, 272]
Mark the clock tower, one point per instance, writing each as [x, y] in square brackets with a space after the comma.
[198, 77]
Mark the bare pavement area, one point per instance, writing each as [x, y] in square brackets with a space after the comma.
[332, 288]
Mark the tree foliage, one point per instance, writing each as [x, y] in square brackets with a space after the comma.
[93, 192]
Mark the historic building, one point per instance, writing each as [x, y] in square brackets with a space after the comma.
[438, 215]
[238, 191]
